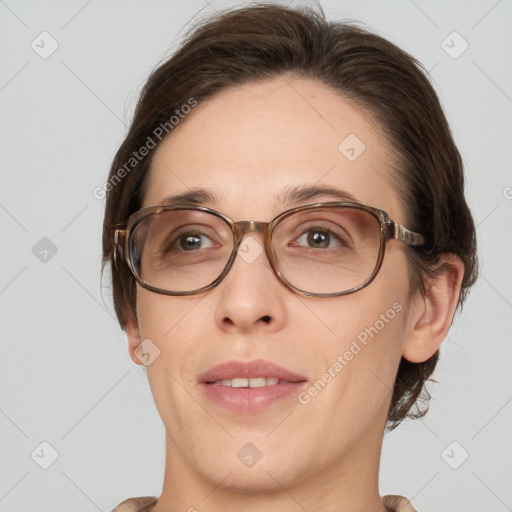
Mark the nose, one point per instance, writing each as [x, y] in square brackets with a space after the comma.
[251, 298]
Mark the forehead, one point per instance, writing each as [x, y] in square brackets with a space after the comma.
[252, 144]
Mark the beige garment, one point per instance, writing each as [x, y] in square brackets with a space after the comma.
[392, 503]
[398, 504]
[136, 505]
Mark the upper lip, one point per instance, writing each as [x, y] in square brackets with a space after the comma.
[248, 370]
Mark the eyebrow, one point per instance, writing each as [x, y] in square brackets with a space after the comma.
[289, 197]
[298, 194]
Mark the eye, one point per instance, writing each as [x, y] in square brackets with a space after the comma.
[319, 238]
[188, 242]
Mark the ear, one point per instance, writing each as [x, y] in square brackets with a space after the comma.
[134, 338]
[431, 314]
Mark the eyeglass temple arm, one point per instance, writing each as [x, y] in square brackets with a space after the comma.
[399, 232]
[119, 241]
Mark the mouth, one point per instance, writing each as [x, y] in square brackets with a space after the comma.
[249, 387]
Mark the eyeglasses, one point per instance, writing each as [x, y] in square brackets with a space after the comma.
[318, 250]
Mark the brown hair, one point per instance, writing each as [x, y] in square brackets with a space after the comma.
[266, 40]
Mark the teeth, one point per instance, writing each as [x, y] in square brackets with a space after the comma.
[241, 382]
[257, 382]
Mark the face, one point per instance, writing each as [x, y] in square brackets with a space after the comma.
[337, 357]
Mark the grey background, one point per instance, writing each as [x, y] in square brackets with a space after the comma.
[65, 374]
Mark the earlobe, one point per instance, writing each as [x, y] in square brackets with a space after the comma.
[134, 338]
[432, 313]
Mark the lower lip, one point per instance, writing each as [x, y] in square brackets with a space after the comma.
[250, 400]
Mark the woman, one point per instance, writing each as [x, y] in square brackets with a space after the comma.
[289, 240]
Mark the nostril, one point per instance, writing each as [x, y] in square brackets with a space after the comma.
[266, 319]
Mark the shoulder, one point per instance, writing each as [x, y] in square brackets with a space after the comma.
[144, 504]
[398, 504]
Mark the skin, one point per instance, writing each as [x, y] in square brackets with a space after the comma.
[323, 455]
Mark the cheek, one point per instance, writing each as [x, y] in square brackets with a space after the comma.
[169, 323]
[176, 325]
[367, 332]
[355, 371]
[365, 342]
[161, 316]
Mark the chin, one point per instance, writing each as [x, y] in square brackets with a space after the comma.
[263, 478]
[246, 463]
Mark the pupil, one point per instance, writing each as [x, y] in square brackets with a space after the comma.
[319, 239]
[191, 241]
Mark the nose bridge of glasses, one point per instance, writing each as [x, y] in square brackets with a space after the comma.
[244, 227]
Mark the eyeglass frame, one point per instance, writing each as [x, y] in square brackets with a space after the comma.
[389, 230]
